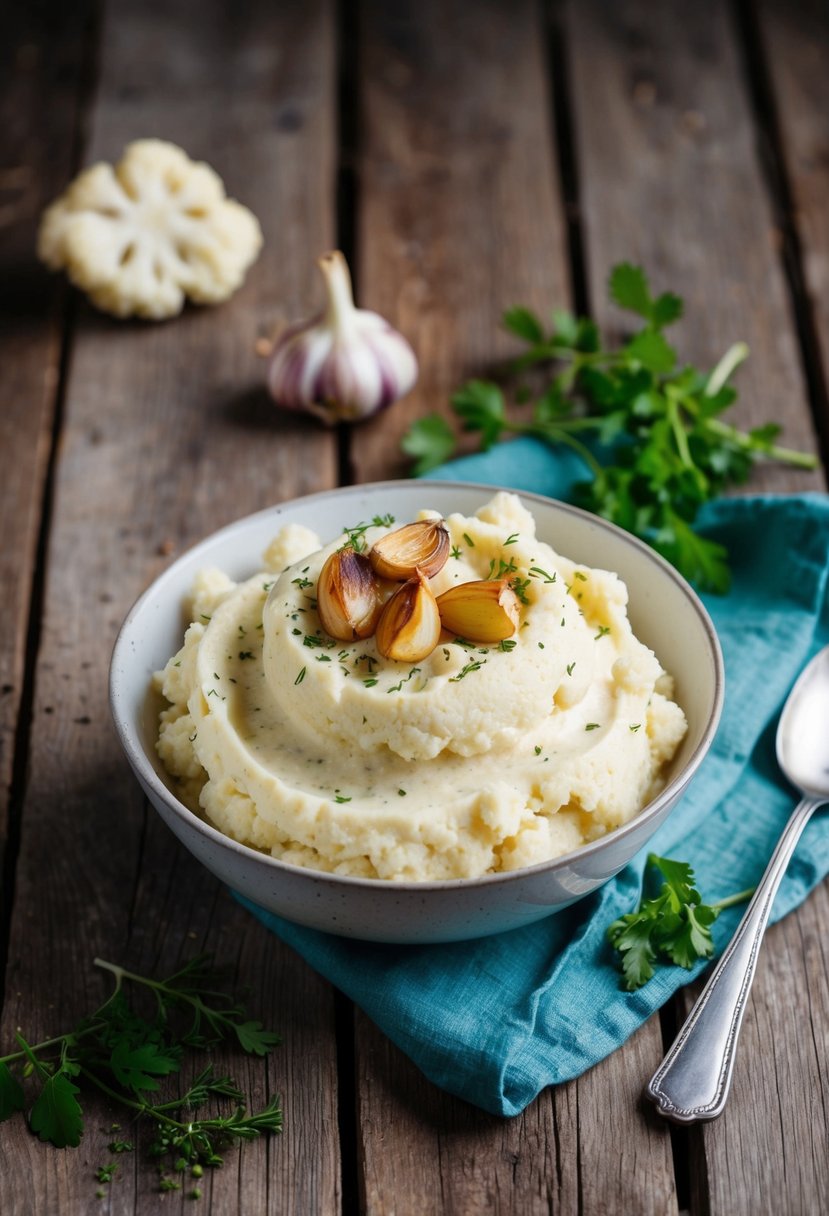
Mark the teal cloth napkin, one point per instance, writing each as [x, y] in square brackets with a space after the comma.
[497, 1020]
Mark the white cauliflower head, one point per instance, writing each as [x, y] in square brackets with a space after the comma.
[140, 237]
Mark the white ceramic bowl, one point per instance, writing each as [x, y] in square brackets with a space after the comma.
[665, 614]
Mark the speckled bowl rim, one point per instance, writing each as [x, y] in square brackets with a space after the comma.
[130, 737]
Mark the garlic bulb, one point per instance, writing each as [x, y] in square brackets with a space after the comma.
[345, 363]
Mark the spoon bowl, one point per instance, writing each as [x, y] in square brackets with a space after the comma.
[802, 745]
[692, 1082]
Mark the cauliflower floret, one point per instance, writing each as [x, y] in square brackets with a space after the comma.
[140, 237]
[290, 544]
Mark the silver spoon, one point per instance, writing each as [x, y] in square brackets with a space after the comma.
[692, 1082]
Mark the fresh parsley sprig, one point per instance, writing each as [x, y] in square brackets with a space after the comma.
[673, 926]
[127, 1054]
[649, 431]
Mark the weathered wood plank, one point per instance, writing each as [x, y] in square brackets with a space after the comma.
[567, 1152]
[670, 177]
[168, 435]
[767, 1152]
[794, 41]
[460, 216]
[43, 52]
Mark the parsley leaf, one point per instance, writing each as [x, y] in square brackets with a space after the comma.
[254, 1039]
[649, 431]
[674, 925]
[481, 406]
[628, 287]
[524, 324]
[11, 1093]
[56, 1115]
[138, 1066]
[124, 1052]
[430, 441]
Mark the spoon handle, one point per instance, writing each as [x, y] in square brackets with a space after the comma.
[693, 1080]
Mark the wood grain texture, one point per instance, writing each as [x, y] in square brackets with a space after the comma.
[767, 1152]
[795, 42]
[582, 1147]
[168, 435]
[459, 214]
[43, 54]
[670, 178]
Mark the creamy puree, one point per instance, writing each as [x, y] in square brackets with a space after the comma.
[475, 760]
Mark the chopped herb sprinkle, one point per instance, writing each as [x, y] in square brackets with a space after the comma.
[507, 644]
[635, 726]
[537, 572]
[519, 586]
[455, 552]
[504, 568]
[537, 750]
[474, 665]
[592, 726]
[248, 654]
[402, 793]
[469, 540]
[357, 535]
[511, 539]
[300, 677]
[570, 667]
[398, 687]
[604, 630]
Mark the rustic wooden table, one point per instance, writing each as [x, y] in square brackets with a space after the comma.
[466, 157]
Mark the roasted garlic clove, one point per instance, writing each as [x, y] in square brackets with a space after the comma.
[409, 626]
[422, 546]
[482, 611]
[348, 596]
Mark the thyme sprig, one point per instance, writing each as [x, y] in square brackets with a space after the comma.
[127, 1054]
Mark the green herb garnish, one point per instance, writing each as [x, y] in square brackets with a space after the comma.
[674, 926]
[356, 536]
[474, 665]
[126, 1054]
[658, 446]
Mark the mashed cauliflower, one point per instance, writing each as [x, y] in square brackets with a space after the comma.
[476, 759]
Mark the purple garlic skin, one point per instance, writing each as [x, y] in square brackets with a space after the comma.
[345, 363]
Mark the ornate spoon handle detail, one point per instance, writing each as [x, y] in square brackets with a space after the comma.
[693, 1080]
